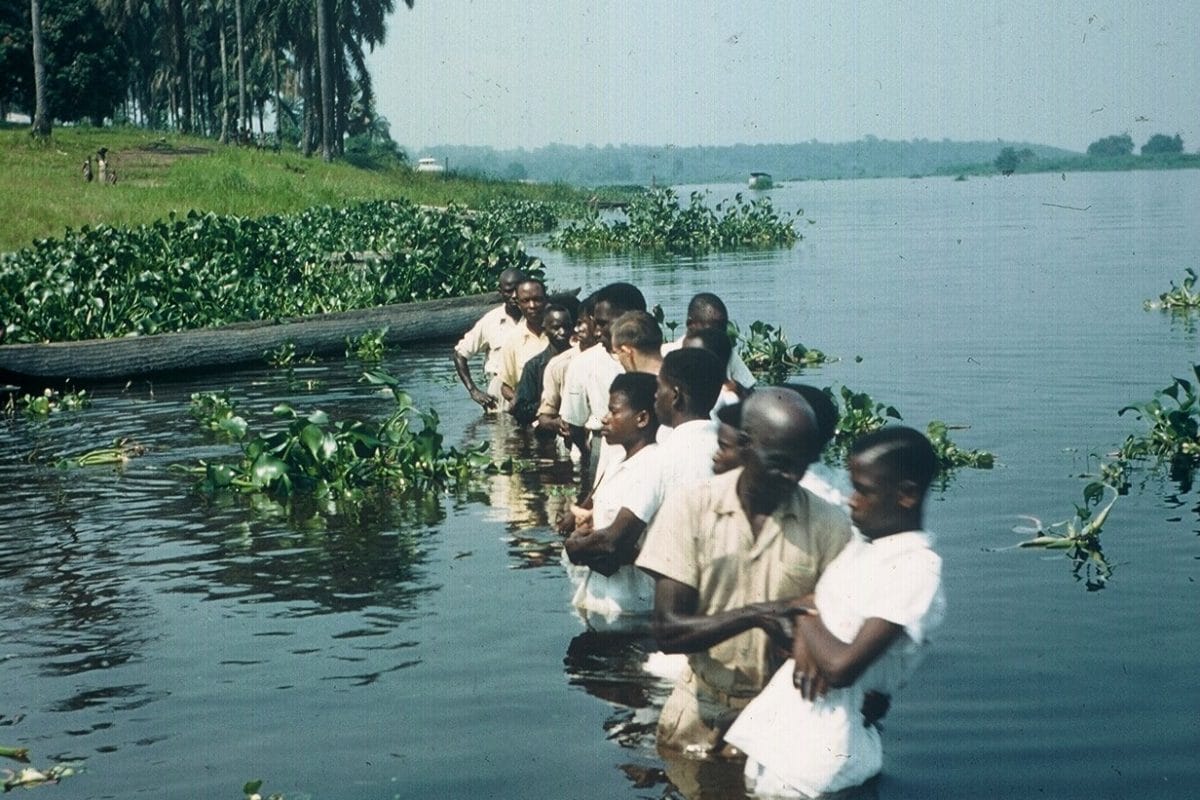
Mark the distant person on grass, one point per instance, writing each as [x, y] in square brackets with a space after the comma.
[863, 630]
[487, 336]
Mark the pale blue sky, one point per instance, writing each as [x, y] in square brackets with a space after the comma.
[608, 71]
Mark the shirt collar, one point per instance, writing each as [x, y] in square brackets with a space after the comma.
[728, 502]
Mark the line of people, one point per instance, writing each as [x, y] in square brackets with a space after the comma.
[699, 507]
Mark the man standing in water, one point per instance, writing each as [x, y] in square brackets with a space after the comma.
[706, 311]
[727, 555]
[487, 335]
[526, 340]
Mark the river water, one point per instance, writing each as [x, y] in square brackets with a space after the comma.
[175, 648]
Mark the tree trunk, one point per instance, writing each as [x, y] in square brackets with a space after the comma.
[325, 57]
[224, 77]
[41, 115]
[243, 118]
[278, 94]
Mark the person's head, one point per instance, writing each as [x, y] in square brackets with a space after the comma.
[585, 324]
[630, 418]
[706, 310]
[823, 406]
[779, 439]
[688, 384]
[714, 340]
[558, 325]
[890, 470]
[728, 454]
[636, 338]
[507, 286]
[611, 302]
[531, 299]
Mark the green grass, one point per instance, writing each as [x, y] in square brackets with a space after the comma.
[43, 192]
[1085, 164]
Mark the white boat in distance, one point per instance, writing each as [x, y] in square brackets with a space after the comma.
[430, 165]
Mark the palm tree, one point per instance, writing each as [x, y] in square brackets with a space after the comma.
[41, 116]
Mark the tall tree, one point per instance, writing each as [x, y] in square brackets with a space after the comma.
[41, 115]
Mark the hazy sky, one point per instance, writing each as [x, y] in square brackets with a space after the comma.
[698, 72]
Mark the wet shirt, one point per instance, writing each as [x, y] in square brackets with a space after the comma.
[702, 538]
[685, 453]
[488, 334]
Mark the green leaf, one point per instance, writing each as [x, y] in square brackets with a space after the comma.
[252, 787]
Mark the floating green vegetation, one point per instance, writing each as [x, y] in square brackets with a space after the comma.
[1179, 298]
[769, 355]
[368, 347]
[858, 414]
[525, 216]
[50, 401]
[203, 270]
[655, 221]
[217, 412]
[1174, 435]
[117, 454]
[327, 460]
[951, 456]
[251, 790]
[1079, 536]
[15, 753]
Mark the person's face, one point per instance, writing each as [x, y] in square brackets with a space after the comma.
[602, 320]
[874, 503]
[558, 329]
[775, 466]
[585, 331]
[621, 425]
[531, 298]
[705, 318]
[664, 399]
[508, 290]
[727, 455]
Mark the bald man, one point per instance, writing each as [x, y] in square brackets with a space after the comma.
[487, 336]
[727, 555]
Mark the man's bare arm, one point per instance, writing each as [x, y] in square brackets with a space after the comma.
[464, 374]
[678, 627]
[836, 663]
[607, 549]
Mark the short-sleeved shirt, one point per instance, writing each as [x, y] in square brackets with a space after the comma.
[521, 345]
[488, 334]
[685, 453]
[702, 538]
[736, 369]
[585, 388]
[552, 380]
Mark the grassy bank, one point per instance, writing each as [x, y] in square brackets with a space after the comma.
[43, 192]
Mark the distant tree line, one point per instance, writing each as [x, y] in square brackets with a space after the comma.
[668, 165]
[209, 67]
[1122, 145]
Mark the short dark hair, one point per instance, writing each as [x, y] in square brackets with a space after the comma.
[638, 388]
[698, 374]
[903, 451]
[823, 409]
[639, 330]
[622, 297]
[588, 305]
[558, 308]
[715, 341]
[532, 279]
[730, 415]
[710, 301]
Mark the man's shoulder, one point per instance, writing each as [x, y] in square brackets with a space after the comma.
[824, 516]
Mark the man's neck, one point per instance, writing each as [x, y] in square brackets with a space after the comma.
[755, 500]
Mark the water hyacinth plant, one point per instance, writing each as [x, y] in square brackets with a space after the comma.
[1079, 536]
[950, 456]
[325, 459]
[50, 401]
[203, 270]
[368, 347]
[769, 355]
[1173, 438]
[858, 414]
[656, 221]
[1179, 298]
[217, 412]
[117, 454]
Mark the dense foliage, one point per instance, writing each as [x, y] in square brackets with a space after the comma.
[204, 270]
[656, 221]
[769, 355]
[1116, 145]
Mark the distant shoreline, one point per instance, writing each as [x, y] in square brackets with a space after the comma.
[1130, 163]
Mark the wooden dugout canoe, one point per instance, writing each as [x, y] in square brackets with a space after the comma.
[241, 343]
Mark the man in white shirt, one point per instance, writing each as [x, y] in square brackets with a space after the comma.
[706, 310]
[526, 340]
[688, 383]
[487, 336]
[637, 342]
[590, 374]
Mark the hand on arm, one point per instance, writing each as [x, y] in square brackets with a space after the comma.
[678, 627]
[607, 549]
[839, 663]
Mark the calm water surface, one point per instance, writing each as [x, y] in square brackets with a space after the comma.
[178, 648]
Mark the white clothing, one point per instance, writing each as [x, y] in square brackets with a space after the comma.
[685, 454]
[521, 345]
[626, 484]
[488, 334]
[736, 369]
[585, 388]
[802, 748]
